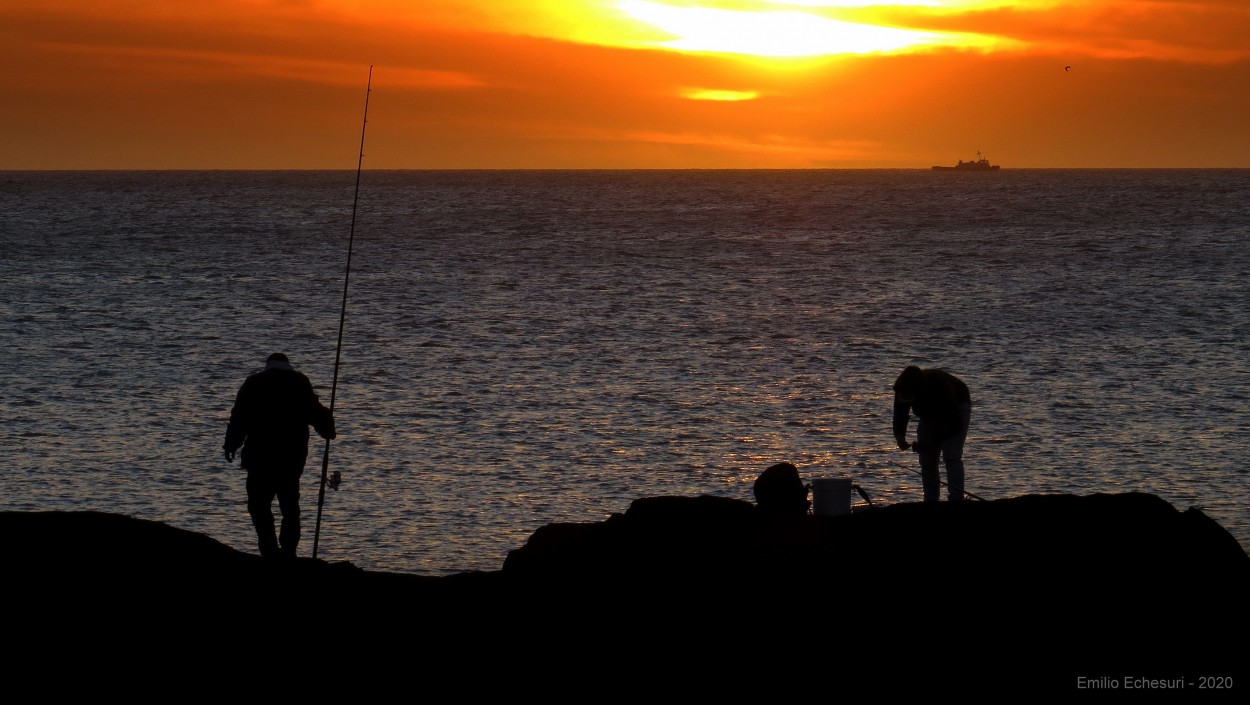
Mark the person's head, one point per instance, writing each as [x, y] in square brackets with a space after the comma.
[908, 384]
[278, 361]
[780, 491]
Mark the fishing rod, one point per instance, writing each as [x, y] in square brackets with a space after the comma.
[921, 474]
[338, 351]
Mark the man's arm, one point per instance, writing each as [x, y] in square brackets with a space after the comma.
[236, 430]
[319, 417]
[323, 421]
[902, 415]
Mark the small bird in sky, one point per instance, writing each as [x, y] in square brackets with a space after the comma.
[1067, 68]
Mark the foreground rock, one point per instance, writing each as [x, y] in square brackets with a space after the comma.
[1058, 584]
[1049, 587]
[1060, 544]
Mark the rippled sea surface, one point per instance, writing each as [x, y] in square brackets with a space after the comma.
[529, 347]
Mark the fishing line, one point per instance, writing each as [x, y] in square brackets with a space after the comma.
[338, 351]
[921, 474]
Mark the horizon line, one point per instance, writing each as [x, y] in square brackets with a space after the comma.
[593, 169]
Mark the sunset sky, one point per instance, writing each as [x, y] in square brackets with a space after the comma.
[280, 84]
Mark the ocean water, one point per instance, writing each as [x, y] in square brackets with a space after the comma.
[530, 347]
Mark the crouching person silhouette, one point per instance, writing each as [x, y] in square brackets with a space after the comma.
[270, 421]
[942, 403]
[780, 492]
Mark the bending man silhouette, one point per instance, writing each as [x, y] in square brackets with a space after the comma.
[270, 421]
[943, 405]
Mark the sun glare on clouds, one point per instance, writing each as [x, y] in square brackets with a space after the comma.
[781, 33]
[857, 3]
[718, 94]
[624, 83]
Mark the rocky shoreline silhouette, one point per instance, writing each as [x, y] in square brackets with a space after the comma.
[1047, 588]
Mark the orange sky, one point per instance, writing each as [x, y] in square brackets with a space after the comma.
[277, 84]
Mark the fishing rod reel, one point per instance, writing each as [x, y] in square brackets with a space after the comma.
[336, 479]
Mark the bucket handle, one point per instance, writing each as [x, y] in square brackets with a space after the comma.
[862, 493]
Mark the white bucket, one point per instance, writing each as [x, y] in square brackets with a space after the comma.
[831, 496]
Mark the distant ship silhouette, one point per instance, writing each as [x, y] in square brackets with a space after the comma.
[981, 164]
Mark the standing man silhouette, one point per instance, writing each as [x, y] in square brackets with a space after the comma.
[943, 405]
[270, 421]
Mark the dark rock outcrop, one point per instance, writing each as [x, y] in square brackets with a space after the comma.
[1052, 542]
[1051, 588]
[1058, 585]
